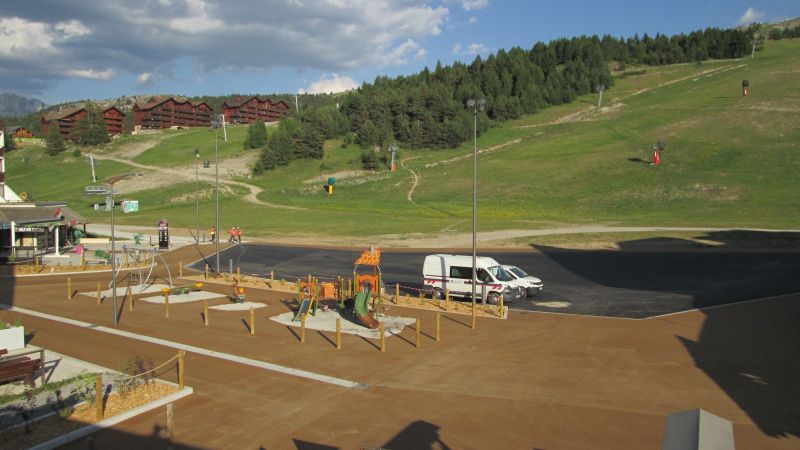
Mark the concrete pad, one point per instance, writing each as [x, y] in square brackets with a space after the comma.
[244, 306]
[123, 289]
[195, 296]
[326, 321]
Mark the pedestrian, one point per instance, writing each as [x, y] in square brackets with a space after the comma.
[239, 235]
[232, 238]
[213, 233]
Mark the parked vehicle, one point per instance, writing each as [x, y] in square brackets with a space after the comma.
[529, 283]
[453, 273]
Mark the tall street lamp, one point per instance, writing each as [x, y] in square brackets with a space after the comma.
[216, 123]
[476, 105]
[196, 198]
[110, 189]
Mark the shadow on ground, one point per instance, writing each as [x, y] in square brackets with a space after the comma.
[417, 435]
[752, 349]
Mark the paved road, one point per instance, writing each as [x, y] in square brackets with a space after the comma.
[625, 284]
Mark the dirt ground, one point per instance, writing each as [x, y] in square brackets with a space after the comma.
[545, 381]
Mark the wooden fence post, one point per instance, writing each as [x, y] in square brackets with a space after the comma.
[98, 396]
[447, 299]
[170, 425]
[181, 367]
[129, 298]
[418, 341]
[206, 272]
[303, 329]
[474, 320]
[180, 269]
[338, 333]
[438, 325]
[501, 306]
[252, 320]
[98, 294]
[383, 339]
[272, 279]
[205, 312]
[396, 293]
[69, 288]
[166, 304]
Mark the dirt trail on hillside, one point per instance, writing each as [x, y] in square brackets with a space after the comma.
[415, 175]
[163, 176]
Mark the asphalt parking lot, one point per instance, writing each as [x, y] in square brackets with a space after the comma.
[626, 284]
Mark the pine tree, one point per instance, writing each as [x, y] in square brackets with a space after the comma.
[256, 135]
[55, 143]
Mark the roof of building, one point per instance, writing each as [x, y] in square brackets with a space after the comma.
[33, 213]
[63, 114]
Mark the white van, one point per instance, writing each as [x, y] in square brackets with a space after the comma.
[454, 273]
[529, 283]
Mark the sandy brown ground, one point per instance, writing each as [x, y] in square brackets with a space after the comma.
[535, 381]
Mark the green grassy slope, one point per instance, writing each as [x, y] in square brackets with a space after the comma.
[730, 162]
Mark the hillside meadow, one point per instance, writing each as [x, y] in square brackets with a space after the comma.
[730, 161]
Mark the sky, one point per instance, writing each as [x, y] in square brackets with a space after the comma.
[67, 50]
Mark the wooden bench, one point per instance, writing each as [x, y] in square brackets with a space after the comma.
[21, 367]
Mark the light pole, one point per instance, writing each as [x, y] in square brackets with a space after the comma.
[216, 123]
[475, 105]
[196, 198]
[110, 187]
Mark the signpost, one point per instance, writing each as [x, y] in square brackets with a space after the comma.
[163, 234]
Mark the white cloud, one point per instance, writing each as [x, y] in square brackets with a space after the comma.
[330, 85]
[470, 5]
[92, 37]
[473, 19]
[750, 16]
[471, 49]
[144, 78]
[91, 74]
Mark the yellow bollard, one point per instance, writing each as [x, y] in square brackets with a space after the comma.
[418, 333]
[252, 320]
[338, 333]
[383, 339]
[205, 312]
[98, 294]
[438, 325]
[69, 288]
[303, 329]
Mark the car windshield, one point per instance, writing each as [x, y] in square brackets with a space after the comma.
[500, 274]
[518, 272]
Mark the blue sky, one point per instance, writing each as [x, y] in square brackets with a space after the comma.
[64, 50]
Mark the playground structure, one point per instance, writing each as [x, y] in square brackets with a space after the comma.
[140, 256]
[367, 286]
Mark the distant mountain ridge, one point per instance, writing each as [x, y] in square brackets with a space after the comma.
[13, 105]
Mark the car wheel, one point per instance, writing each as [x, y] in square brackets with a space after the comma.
[437, 294]
[493, 298]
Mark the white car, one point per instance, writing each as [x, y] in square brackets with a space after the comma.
[530, 284]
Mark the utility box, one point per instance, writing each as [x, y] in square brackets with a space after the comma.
[697, 430]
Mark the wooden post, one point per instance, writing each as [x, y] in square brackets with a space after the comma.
[383, 339]
[205, 312]
[98, 294]
[129, 297]
[438, 325]
[338, 333]
[166, 305]
[180, 269]
[252, 320]
[418, 333]
[206, 276]
[272, 279]
[69, 288]
[238, 274]
[396, 293]
[98, 397]
[303, 329]
[474, 320]
[501, 306]
[181, 367]
[447, 299]
[170, 425]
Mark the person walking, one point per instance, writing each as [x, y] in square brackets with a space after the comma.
[238, 235]
[232, 237]
[213, 233]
